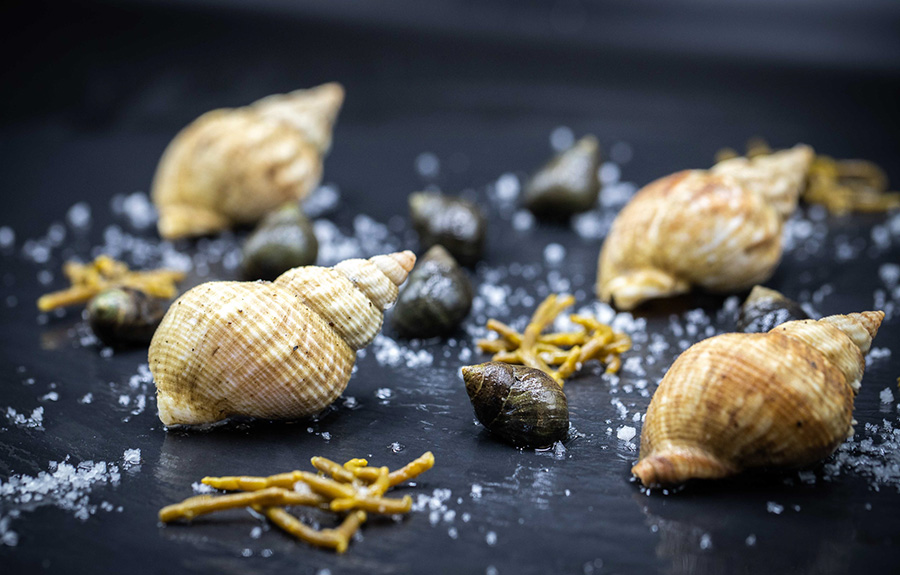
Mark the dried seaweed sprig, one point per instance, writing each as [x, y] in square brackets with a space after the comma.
[87, 280]
[541, 351]
[354, 487]
[842, 186]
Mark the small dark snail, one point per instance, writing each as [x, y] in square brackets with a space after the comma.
[518, 404]
[765, 308]
[568, 184]
[456, 224]
[437, 296]
[283, 240]
[123, 316]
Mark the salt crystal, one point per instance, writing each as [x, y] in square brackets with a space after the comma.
[383, 393]
[886, 395]
[626, 433]
[491, 538]
[507, 187]
[522, 220]
[775, 508]
[609, 173]
[396, 447]
[750, 541]
[79, 216]
[476, 492]
[256, 532]
[428, 165]
[706, 542]
[562, 138]
[50, 396]
[554, 254]
[88, 397]
[7, 237]
[202, 488]
[132, 457]
[324, 199]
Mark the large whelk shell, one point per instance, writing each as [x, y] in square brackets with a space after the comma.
[741, 401]
[278, 350]
[713, 229]
[232, 166]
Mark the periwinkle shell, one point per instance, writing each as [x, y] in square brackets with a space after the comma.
[454, 223]
[568, 184]
[520, 405]
[766, 308]
[436, 298]
[122, 317]
[283, 240]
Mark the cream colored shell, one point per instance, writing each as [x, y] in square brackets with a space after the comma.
[276, 350]
[232, 166]
[741, 401]
[718, 229]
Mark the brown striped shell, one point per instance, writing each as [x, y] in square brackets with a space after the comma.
[740, 401]
[276, 350]
[719, 229]
[232, 166]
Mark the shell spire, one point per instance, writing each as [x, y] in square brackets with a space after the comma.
[232, 166]
[741, 401]
[277, 350]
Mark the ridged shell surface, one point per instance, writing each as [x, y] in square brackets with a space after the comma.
[232, 166]
[741, 401]
[276, 350]
[713, 229]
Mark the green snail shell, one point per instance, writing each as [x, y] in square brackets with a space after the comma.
[283, 240]
[518, 404]
[568, 184]
[766, 308]
[454, 223]
[436, 298]
[123, 316]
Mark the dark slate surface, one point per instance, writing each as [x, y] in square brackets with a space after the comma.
[93, 94]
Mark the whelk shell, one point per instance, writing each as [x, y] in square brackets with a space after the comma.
[741, 401]
[232, 166]
[276, 350]
[716, 229]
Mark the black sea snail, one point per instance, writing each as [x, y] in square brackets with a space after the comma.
[568, 184]
[456, 224]
[518, 404]
[282, 241]
[437, 296]
[765, 308]
[124, 316]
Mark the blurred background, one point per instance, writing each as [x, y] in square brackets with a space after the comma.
[95, 89]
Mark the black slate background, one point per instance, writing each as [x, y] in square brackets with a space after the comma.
[94, 91]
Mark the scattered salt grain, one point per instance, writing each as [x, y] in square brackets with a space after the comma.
[706, 542]
[79, 216]
[131, 457]
[7, 237]
[396, 447]
[256, 532]
[609, 173]
[750, 541]
[34, 421]
[562, 138]
[522, 220]
[554, 254]
[202, 488]
[886, 395]
[491, 538]
[775, 508]
[135, 208]
[428, 165]
[50, 396]
[626, 433]
[383, 393]
[476, 491]
[507, 187]
[88, 397]
[324, 199]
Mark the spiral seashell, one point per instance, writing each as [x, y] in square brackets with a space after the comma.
[740, 401]
[232, 166]
[275, 350]
[713, 229]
